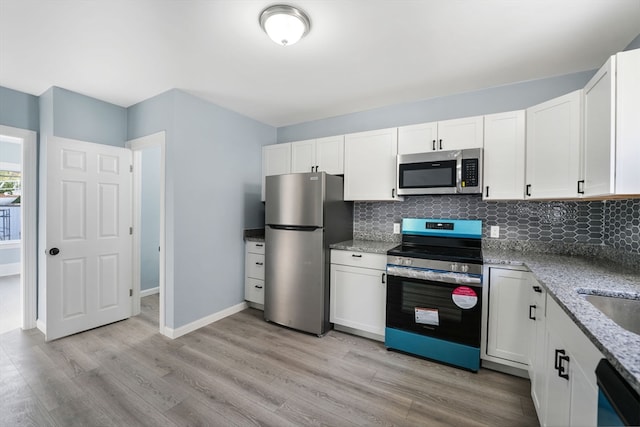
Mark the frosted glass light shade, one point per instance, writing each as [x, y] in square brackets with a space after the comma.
[284, 24]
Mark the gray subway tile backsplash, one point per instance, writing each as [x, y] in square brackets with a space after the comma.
[612, 223]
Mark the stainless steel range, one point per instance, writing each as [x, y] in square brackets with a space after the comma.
[434, 291]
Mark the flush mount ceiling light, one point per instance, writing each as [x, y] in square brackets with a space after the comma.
[284, 24]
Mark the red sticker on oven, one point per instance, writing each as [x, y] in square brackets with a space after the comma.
[464, 297]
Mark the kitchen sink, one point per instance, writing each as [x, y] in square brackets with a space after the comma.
[624, 311]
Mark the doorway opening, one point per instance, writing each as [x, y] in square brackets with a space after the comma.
[17, 229]
[10, 233]
[148, 228]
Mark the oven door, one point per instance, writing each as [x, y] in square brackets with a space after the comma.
[448, 311]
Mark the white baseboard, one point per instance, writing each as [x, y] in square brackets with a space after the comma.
[183, 330]
[9, 269]
[359, 332]
[150, 291]
[41, 326]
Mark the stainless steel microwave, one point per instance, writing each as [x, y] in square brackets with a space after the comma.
[440, 172]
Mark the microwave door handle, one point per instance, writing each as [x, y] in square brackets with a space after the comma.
[459, 173]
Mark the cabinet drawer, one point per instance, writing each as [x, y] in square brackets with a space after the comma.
[359, 259]
[254, 266]
[254, 290]
[255, 247]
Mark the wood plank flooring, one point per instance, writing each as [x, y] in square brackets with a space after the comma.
[240, 371]
[10, 303]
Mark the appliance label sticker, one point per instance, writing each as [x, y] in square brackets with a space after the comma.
[427, 316]
[464, 297]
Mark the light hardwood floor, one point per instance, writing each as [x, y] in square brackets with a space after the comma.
[9, 303]
[241, 371]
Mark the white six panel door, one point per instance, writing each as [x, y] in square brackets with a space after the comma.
[88, 213]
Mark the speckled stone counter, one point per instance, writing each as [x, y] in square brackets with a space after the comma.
[370, 246]
[565, 278]
[253, 235]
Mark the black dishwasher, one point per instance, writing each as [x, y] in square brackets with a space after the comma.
[618, 403]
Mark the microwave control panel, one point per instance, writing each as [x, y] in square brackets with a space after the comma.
[470, 172]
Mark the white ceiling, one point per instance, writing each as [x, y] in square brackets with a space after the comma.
[360, 54]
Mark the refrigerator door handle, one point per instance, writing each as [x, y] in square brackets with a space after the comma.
[294, 227]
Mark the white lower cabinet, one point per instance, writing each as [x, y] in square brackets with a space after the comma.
[537, 347]
[571, 392]
[254, 273]
[358, 292]
[527, 329]
[508, 323]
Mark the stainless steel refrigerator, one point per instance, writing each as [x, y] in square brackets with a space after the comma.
[304, 214]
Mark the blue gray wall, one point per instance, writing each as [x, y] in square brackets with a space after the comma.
[77, 116]
[635, 43]
[487, 101]
[150, 213]
[18, 109]
[213, 178]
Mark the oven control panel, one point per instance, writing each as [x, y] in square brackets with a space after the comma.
[454, 267]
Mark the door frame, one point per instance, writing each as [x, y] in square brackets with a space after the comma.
[137, 145]
[28, 243]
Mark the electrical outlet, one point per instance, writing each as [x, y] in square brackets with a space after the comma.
[396, 228]
[495, 231]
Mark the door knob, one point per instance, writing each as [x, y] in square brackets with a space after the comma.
[54, 251]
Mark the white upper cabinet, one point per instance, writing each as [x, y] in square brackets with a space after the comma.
[612, 127]
[318, 155]
[417, 138]
[554, 134]
[370, 165]
[454, 134]
[276, 160]
[303, 156]
[460, 134]
[330, 154]
[504, 146]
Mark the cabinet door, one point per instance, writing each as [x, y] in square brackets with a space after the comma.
[627, 123]
[459, 134]
[370, 165]
[254, 266]
[553, 147]
[418, 138]
[509, 326]
[599, 132]
[254, 290]
[303, 156]
[584, 392]
[558, 389]
[330, 154]
[537, 349]
[358, 298]
[276, 160]
[504, 156]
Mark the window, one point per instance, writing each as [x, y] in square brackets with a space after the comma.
[10, 190]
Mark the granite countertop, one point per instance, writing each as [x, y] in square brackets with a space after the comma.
[253, 234]
[565, 278]
[370, 246]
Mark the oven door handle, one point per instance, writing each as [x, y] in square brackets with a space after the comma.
[451, 278]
